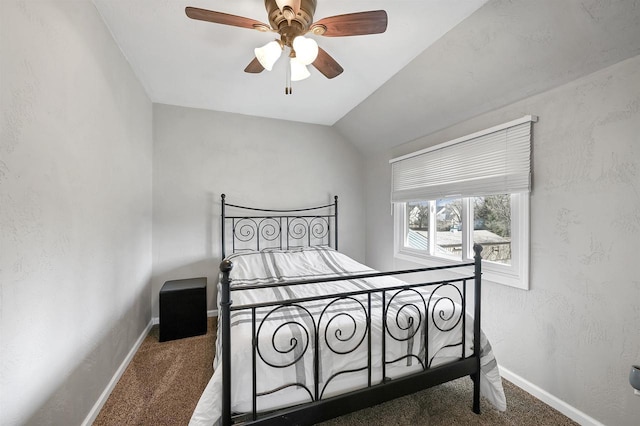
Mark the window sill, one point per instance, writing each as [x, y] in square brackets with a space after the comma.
[490, 272]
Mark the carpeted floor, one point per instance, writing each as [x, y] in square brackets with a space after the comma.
[163, 382]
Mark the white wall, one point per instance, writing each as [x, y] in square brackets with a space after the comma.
[75, 210]
[576, 333]
[201, 154]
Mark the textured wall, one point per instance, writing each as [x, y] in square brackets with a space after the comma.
[75, 210]
[200, 154]
[576, 333]
[506, 51]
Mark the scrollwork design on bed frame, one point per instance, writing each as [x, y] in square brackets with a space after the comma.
[342, 325]
[256, 229]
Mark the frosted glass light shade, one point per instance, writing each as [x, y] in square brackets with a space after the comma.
[298, 70]
[306, 49]
[268, 54]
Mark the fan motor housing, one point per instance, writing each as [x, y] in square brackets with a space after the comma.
[299, 23]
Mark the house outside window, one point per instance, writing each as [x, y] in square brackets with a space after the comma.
[442, 231]
[489, 220]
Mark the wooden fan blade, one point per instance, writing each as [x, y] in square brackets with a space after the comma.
[225, 18]
[327, 65]
[351, 24]
[254, 67]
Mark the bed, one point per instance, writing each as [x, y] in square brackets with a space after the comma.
[306, 333]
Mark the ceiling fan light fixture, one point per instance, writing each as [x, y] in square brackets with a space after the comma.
[290, 19]
[299, 70]
[268, 54]
[306, 49]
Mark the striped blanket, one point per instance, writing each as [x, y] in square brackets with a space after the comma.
[422, 329]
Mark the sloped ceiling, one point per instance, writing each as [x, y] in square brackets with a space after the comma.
[199, 64]
[439, 63]
[504, 52]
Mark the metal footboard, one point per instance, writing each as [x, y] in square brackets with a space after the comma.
[307, 329]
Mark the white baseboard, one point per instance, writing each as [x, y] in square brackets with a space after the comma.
[544, 396]
[211, 313]
[91, 417]
[551, 400]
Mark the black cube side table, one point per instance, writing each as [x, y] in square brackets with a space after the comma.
[183, 308]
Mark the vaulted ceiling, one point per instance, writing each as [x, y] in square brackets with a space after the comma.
[439, 62]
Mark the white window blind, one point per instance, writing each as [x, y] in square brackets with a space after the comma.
[493, 161]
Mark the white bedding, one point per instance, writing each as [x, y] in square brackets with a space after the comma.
[341, 328]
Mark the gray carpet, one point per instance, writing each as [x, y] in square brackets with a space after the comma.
[163, 382]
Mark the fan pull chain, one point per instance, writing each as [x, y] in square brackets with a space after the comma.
[288, 90]
[287, 85]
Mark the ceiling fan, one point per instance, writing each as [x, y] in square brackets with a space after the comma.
[292, 19]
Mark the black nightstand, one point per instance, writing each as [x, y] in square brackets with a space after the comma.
[183, 308]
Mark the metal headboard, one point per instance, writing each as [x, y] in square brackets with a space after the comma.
[253, 229]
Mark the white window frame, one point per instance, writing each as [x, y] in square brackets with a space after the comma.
[491, 161]
[516, 274]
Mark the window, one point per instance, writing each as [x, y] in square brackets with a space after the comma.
[489, 172]
[441, 231]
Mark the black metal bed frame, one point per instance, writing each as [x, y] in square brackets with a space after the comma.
[278, 229]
